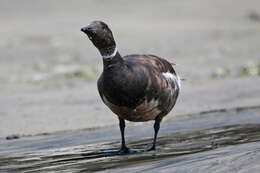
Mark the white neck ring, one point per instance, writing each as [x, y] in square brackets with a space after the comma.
[112, 55]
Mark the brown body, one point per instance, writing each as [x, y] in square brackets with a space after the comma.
[153, 93]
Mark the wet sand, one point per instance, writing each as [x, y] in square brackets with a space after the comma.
[225, 141]
[49, 100]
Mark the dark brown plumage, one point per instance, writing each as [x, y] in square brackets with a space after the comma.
[135, 87]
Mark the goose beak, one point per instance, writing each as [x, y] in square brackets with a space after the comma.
[87, 29]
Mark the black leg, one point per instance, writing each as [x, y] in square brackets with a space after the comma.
[156, 130]
[123, 149]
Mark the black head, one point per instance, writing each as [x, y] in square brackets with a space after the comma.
[101, 36]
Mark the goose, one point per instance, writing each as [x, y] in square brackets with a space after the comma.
[135, 87]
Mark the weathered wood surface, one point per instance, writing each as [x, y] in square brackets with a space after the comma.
[218, 141]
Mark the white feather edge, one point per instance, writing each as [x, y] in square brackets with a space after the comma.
[171, 76]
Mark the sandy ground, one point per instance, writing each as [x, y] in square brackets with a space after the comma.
[42, 49]
[37, 111]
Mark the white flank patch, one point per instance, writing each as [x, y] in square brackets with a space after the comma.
[179, 81]
[170, 76]
[112, 55]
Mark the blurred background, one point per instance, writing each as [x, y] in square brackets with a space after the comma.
[49, 69]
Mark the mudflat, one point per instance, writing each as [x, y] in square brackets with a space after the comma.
[49, 99]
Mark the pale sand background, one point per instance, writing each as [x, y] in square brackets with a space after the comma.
[41, 46]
